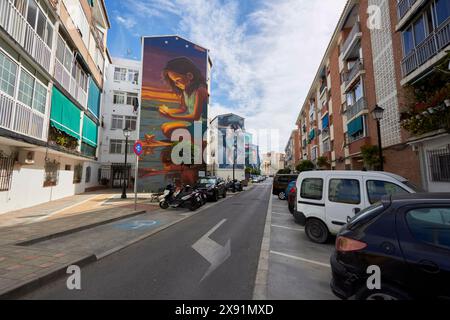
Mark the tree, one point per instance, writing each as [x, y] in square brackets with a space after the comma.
[284, 171]
[305, 165]
[323, 163]
[371, 158]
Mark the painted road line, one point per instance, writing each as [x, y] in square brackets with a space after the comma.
[300, 259]
[282, 214]
[288, 228]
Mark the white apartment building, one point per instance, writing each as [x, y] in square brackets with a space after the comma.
[52, 57]
[120, 111]
[272, 162]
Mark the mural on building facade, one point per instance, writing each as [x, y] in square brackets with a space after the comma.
[174, 96]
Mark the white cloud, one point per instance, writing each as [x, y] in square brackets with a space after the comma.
[127, 22]
[263, 65]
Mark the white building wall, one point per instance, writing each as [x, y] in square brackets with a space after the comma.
[109, 109]
[384, 73]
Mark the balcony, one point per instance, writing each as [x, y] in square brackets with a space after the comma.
[431, 46]
[356, 109]
[353, 73]
[403, 6]
[353, 37]
[70, 84]
[19, 118]
[12, 21]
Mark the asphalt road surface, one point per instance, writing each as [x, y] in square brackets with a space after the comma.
[166, 266]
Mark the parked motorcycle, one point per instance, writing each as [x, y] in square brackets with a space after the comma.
[184, 198]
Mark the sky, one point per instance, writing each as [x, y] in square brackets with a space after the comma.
[265, 53]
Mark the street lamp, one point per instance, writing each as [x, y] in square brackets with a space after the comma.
[126, 133]
[234, 127]
[378, 114]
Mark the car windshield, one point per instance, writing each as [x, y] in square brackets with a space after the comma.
[207, 181]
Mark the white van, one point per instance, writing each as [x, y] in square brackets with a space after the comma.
[326, 200]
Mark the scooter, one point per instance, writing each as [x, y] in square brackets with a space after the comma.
[184, 198]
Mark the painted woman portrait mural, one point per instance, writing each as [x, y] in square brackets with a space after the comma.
[174, 96]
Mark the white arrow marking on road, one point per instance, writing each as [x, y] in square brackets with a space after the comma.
[213, 252]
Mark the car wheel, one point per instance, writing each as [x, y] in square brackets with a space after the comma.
[194, 205]
[317, 231]
[215, 197]
[282, 195]
[385, 293]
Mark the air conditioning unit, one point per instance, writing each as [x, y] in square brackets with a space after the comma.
[27, 157]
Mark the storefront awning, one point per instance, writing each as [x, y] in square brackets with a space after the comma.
[65, 115]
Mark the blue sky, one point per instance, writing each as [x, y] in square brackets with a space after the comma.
[265, 52]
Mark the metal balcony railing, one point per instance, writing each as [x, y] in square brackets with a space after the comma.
[353, 72]
[356, 108]
[17, 117]
[12, 21]
[355, 30]
[431, 46]
[403, 6]
[70, 84]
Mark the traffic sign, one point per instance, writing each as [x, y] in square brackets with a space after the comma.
[138, 149]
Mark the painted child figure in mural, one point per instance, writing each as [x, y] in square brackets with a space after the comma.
[187, 82]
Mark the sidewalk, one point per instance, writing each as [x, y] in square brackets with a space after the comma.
[23, 263]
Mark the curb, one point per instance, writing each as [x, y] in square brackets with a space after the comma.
[30, 285]
[262, 273]
[78, 229]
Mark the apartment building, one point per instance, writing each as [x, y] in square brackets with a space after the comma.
[272, 162]
[120, 112]
[52, 57]
[292, 150]
[360, 70]
[422, 29]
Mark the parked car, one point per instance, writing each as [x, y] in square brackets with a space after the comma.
[280, 183]
[408, 238]
[214, 187]
[326, 200]
[291, 192]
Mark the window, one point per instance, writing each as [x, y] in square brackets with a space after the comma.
[8, 74]
[419, 31]
[32, 12]
[408, 42]
[115, 146]
[132, 98]
[39, 22]
[117, 122]
[26, 87]
[378, 189]
[88, 174]
[68, 167]
[120, 74]
[439, 164]
[119, 98]
[430, 225]
[130, 146]
[6, 172]
[130, 123]
[51, 173]
[344, 191]
[442, 11]
[312, 189]
[133, 76]
[79, 19]
[40, 98]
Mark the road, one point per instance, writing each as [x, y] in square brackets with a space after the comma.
[166, 266]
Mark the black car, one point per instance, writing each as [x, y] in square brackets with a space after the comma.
[281, 182]
[408, 238]
[213, 187]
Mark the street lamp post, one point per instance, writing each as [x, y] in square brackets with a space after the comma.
[377, 114]
[235, 128]
[126, 133]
